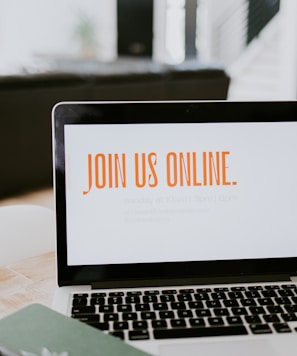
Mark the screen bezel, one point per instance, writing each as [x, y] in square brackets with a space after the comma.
[76, 113]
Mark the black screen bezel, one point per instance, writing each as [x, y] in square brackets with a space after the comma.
[155, 113]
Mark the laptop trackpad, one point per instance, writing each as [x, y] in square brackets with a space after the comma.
[228, 348]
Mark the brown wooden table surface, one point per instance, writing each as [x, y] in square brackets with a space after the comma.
[32, 280]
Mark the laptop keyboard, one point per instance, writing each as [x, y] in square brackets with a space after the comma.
[165, 313]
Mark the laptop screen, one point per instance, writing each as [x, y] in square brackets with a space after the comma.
[185, 189]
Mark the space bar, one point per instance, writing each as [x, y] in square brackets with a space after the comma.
[200, 332]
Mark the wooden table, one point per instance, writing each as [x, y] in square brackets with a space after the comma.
[32, 280]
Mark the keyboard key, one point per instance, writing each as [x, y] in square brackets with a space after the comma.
[148, 315]
[234, 320]
[289, 317]
[215, 321]
[106, 309]
[252, 294]
[289, 286]
[80, 295]
[221, 289]
[166, 314]
[169, 291]
[111, 317]
[160, 306]
[150, 299]
[253, 319]
[275, 309]
[185, 313]
[133, 299]
[129, 316]
[123, 308]
[253, 288]
[230, 303]
[282, 300]
[79, 302]
[87, 318]
[178, 305]
[100, 326]
[282, 328]
[184, 297]
[213, 304]
[203, 290]
[221, 312]
[235, 295]
[238, 289]
[177, 323]
[167, 298]
[265, 301]
[239, 311]
[260, 329]
[151, 292]
[139, 325]
[159, 324]
[134, 293]
[83, 310]
[116, 294]
[139, 335]
[203, 312]
[115, 300]
[272, 287]
[218, 295]
[98, 295]
[201, 296]
[187, 291]
[248, 302]
[291, 308]
[118, 334]
[257, 310]
[97, 301]
[197, 322]
[199, 332]
[196, 305]
[269, 294]
[271, 318]
[120, 325]
[286, 293]
[142, 307]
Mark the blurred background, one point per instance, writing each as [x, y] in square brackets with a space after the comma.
[252, 39]
[131, 50]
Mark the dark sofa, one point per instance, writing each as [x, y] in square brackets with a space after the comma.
[27, 100]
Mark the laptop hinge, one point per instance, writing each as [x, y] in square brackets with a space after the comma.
[189, 281]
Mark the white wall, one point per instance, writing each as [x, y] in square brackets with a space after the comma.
[34, 31]
[33, 27]
[169, 31]
[288, 29]
[221, 29]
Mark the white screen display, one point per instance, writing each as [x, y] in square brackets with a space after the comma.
[142, 193]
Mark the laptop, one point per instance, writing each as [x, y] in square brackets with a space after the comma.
[177, 223]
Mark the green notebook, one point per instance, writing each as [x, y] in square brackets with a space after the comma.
[36, 328]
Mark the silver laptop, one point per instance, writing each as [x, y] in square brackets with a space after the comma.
[177, 223]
